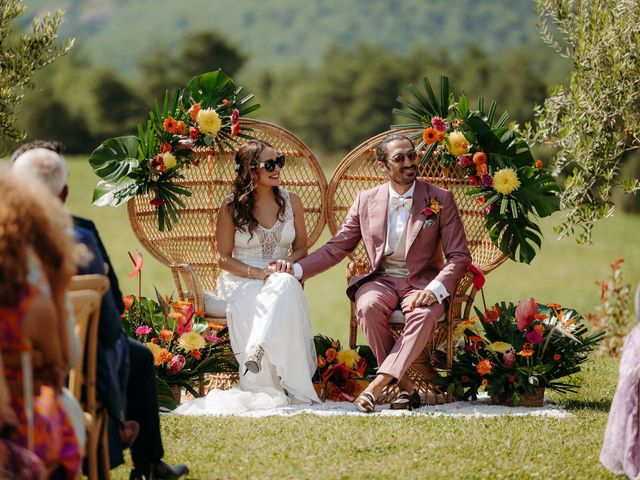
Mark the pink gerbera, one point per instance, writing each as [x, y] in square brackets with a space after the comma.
[439, 124]
[143, 330]
[534, 337]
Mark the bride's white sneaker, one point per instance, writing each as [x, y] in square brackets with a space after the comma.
[254, 359]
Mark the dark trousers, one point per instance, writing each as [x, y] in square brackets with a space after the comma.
[142, 405]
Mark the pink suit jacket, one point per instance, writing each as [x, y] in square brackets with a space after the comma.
[367, 221]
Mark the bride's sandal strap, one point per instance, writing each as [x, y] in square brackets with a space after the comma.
[365, 402]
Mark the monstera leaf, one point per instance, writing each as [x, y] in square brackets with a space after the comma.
[113, 161]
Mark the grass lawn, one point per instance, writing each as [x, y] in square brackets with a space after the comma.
[422, 447]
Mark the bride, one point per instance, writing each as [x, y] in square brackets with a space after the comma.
[260, 234]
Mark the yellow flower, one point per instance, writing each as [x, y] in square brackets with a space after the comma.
[209, 121]
[457, 143]
[349, 358]
[191, 341]
[506, 181]
[500, 347]
[155, 349]
[169, 160]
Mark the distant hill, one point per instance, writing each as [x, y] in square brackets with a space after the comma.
[280, 32]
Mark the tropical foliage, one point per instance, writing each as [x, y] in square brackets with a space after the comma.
[510, 350]
[514, 188]
[184, 346]
[205, 114]
[594, 119]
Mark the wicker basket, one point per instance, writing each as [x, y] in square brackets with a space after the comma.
[535, 399]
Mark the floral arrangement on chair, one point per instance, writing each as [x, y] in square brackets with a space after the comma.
[205, 114]
[341, 372]
[513, 351]
[183, 344]
[512, 187]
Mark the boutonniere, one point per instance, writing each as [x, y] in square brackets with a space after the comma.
[431, 212]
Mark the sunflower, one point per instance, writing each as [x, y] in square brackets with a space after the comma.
[506, 181]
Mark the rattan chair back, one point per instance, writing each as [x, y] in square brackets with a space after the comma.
[359, 171]
[189, 249]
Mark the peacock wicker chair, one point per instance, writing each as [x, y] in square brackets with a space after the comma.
[189, 249]
[358, 171]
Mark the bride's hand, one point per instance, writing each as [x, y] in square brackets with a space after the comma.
[284, 265]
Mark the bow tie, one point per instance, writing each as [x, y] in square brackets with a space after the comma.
[397, 202]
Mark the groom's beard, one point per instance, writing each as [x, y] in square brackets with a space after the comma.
[408, 174]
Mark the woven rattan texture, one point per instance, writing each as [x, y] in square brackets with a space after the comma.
[192, 239]
[359, 171]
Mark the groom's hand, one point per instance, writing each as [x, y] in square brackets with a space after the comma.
[422, 299]
[281, 265]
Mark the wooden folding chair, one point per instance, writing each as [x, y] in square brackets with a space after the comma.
[86, 293]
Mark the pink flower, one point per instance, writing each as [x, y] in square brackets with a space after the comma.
[235, 116]
[489, 209]
[526, 313]
[194, 133]
[509, 358]
[185, 324]
[143, 330]
[464, 160]
[439, 124]
[156, 202]
[487, 180]
[176, 364]
[534, 337]
[186, 143]
[211, 337]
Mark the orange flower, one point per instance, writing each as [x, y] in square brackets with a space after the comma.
[235, 129]
[471, 321]
[193, 111]
[196, 354]
[169, 124]
[617, 263]
[527, 346]
[526, 353]
[481, 200]
[481, 169]
[538, 164]
[180, 127]
[166, 335]
[331, 354]
[475, 339]
[320, 361]
[439, 136]
[556, 357]
[492, 315]
[479, 158]
[430, 135]
[485, 382]
[539, 316]
[215, 326]
[165, 148]
[540, 328]
[555, 306]
[155, 340]
[226, 102]
[163, 356]
[484, 367]
[435, 206]
[128, 301]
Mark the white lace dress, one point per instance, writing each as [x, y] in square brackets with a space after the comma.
[273, 314]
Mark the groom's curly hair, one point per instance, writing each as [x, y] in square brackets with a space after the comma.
[243, 189]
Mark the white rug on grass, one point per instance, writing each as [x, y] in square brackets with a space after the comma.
[478, 408]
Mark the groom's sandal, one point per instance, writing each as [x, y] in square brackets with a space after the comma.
[254, 359]
[365, 402]
[404, 401]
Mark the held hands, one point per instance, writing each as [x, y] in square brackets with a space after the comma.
[423, 298]
[284, 265]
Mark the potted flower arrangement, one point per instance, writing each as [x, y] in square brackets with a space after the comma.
[514, 188]
[183, 344]
[205, 115]
[514, 352]
[341, 374]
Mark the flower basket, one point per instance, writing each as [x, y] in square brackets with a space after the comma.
[349, 391]
[529, 399]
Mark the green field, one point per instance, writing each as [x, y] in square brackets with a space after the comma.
[563, 272]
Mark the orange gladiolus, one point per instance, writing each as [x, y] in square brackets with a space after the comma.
[484, 367]
[479, 158]
[321, 361]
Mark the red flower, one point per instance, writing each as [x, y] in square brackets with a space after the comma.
[196, 354]
[157, 202]
[478, 277]
[511, 378]
[166, 147]
[180, 127]
[194, 132]
[128, 301]
[137, 263]
[534, 337]
[492, 315]
[428, 212]
[226, 102]
[235, 129]
[474, 180]
[556, 357]
[526, 313]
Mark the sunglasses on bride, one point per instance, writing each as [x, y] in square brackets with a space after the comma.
[270, 165]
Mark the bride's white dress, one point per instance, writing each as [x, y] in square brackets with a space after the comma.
[271, 313]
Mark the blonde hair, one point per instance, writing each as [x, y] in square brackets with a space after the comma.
[31, 220]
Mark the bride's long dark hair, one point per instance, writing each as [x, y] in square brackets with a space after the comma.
[247, 159]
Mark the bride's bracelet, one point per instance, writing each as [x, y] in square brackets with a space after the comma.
[249, 273]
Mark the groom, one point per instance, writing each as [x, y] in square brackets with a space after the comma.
[405, 224]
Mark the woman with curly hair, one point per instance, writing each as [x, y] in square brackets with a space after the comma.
[32, 237]
[260, 234]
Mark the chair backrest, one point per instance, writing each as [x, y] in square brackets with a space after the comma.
[359, 171]
[86, 293]
[192, 239]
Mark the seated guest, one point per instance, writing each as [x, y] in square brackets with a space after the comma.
[31, 229]
[125, 367]
[15, 461]
[621, 447]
